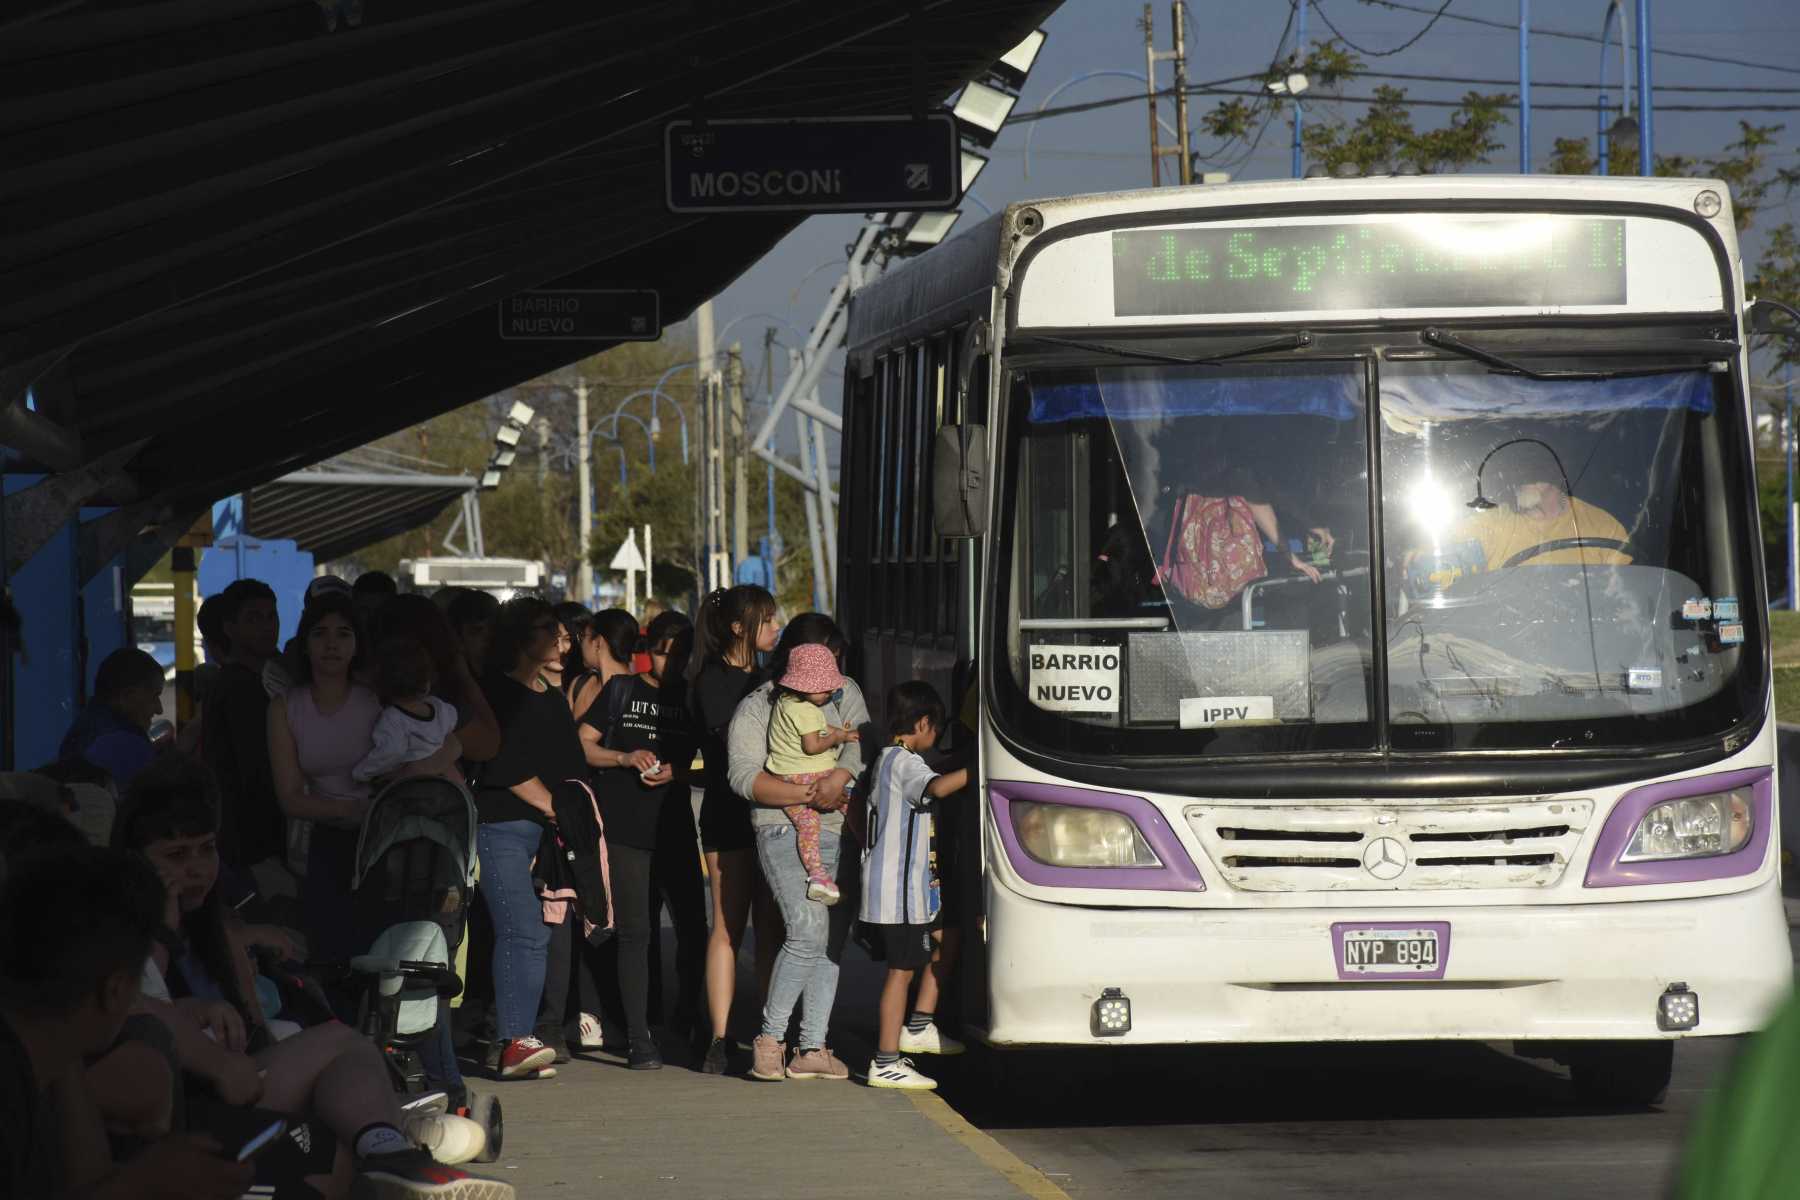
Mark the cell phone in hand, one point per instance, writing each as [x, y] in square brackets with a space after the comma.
[262, 1139]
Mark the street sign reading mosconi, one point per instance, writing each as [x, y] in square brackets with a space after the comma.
[813, 164]
[581, 315]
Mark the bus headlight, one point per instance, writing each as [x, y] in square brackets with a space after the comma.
[1692, 827]
[1062, 835]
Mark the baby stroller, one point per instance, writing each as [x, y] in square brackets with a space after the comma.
[415, 875]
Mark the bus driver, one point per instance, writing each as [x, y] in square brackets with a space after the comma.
[1539, 524]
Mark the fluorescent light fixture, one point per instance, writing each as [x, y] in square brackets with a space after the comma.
[926, 230]
[1015, 64]
[971, 167]
[507, 436]
[490, 479]
[504, 459]
[981, 111]
[521, 413]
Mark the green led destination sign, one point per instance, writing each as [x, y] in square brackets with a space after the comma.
[1428, 262]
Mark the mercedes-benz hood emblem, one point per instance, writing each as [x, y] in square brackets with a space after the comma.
[1384, 858]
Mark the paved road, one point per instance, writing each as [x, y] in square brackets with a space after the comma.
[1387, 1121]
[1460, 1120]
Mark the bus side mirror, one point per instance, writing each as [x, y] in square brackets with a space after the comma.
[959, 481]
[1764, 318]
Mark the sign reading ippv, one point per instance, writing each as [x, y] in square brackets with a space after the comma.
[814, 164]
[581, 315]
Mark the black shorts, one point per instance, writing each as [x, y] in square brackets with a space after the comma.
[725, 822]
[907, 947]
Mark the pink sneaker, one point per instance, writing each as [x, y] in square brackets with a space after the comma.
[817, 1064]
[770, 1060]
[824, 891]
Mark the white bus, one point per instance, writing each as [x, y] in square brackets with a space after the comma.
[503, 578]
[1362, 585]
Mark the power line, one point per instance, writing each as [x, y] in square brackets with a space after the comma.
[1411, 101]
[1398, 6]
[1320, 9]
[1588, 85]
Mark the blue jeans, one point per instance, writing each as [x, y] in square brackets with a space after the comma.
[806, 967]
[521, 938]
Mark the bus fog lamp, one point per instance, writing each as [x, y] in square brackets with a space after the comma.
[1677, 1008]
[1063, 835]
[1692, 827]
[1111, 1016]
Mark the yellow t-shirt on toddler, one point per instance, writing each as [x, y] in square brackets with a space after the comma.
[794, 717]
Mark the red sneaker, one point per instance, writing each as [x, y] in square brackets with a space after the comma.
[413, 1176]
[523, 1056]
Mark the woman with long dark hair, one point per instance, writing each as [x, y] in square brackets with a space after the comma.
[578, 976]
[736, 624]
[318, 731]
[641, 777]
[806, 966]
[539, 751]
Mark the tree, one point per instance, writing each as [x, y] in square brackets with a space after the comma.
[1382, 138]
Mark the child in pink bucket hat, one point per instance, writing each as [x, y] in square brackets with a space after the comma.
[801, 749]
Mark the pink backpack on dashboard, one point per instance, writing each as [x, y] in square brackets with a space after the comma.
[1214, 550]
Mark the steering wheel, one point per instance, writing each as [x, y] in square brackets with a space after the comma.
[1574, 543]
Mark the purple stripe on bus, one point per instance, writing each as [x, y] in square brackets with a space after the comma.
[1605, 869]
[1337, 951]
[1177, 874]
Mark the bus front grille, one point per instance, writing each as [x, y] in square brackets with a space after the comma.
[1334, 848]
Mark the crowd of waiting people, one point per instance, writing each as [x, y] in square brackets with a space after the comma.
[166, 1024]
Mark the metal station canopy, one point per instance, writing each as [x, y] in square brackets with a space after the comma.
[241, 236]
[341, 505]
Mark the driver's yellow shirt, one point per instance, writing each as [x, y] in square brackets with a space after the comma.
[1502, 533]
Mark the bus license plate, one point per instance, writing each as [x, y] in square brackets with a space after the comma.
[1390, 952]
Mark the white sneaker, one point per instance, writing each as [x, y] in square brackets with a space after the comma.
[449, 1139]
[825, 893]
[590, 1035]
[902, 1076]
[932, 1041]
[430, 1102]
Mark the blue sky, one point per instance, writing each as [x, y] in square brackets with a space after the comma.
[1108, 148]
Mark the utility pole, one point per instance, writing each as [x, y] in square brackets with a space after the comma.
[703, 374]
[584, 573]
[1646, 142]
[1185, 172]
[1178, 13]
[740, 461]
[1524, 87]
[1149, 26]
[541, 427]
[1299, 113]
[718, 571]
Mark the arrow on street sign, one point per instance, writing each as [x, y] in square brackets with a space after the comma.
[628, 558]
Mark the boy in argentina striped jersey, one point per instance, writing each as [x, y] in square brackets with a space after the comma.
[898, 906]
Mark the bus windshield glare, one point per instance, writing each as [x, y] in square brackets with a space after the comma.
[1560, 562]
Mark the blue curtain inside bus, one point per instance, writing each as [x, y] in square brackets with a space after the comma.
[1154, 393]
[1332, 391]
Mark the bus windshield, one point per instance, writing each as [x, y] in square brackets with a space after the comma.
[1561, 563]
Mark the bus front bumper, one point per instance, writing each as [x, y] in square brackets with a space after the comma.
[1540, 972]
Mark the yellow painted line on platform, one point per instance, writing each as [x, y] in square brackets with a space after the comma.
[1015, 1170]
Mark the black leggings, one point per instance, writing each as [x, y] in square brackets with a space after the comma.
[639, 878]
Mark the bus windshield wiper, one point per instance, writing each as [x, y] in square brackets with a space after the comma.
[1445, 340]
[1298, 340]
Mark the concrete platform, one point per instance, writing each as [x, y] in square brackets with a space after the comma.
[599, 1129]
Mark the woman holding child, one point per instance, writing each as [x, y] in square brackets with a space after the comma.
[806, 966]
